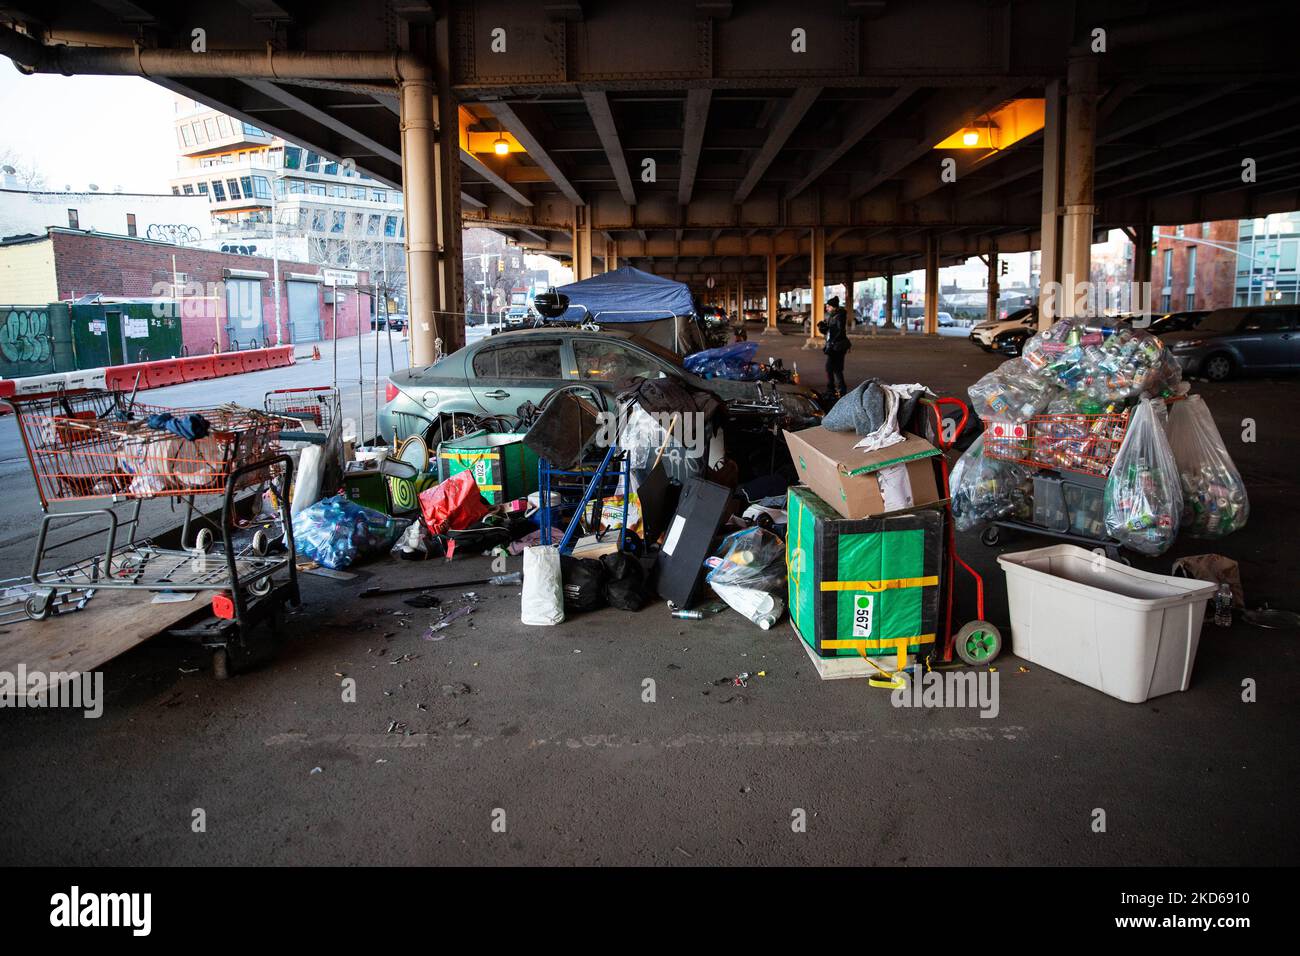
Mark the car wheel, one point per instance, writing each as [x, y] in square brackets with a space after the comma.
[1218, 367]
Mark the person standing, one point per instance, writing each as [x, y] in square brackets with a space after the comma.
[834, 328]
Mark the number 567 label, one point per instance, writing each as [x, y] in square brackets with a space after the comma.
[863, 606]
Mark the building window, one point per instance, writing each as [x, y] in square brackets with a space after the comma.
[223, 124]
[189, 190]
[292, 157]
[372, 226]
[297, 186]
[261, 187]
[1191, 270]
[1190, 302]
[340, 192]
[1169, 266]
[358, 223]
[358, 192]
[318, 220]
[210, 127]
[340, 219]
[199, 135]
[187, 136]
[246, 184]
[378, 195]
[1165, 303]
[232, 186]
[130, 224]
[252, 130]
[218, 191]
[176, 190]
[203, 189]
[390, 226]
[316, 189]
[313, 162]
[331, 168]
[74, 221]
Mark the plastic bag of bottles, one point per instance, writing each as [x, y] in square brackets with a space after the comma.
[735, 361]
[1214, 496]
[1012, 392]
[748, 573]
[336, 533]
[1144, 497]
[986, 489]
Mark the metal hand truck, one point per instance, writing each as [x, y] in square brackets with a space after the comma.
[103, 446]
[572, 491]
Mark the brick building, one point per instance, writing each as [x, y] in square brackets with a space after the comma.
[225, 298]
[1195, 266]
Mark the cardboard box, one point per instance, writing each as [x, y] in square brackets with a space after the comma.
[863, 585]
[850, 480]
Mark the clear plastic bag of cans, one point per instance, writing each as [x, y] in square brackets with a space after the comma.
[1011, 392]
[1098, 368]
[336, 532]
[988, 489]
[1144, 496]
[1214, 496]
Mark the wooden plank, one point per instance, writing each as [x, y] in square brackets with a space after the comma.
[112, 622]
[839, 668]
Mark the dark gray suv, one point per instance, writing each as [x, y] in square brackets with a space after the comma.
[1261, 338]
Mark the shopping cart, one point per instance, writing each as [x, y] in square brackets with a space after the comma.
[1070, 457]
[103, 446]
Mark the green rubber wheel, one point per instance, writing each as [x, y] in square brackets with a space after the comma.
[978, 643]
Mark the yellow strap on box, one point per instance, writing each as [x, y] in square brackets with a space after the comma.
[887, 584]
[471, 455]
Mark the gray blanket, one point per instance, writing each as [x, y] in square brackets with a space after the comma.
[863, 410]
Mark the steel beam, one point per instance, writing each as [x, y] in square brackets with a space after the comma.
[602, 117]
[858, 124]
[695, 118]
[511, 121]
[791, 114]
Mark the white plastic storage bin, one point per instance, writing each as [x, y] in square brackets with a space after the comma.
[1128, 633]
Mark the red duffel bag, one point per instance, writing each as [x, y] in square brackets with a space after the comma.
[453, 505]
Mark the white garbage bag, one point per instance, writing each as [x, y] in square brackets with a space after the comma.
[543, 600]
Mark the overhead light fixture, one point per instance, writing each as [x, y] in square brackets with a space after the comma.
[500, 146]
[970, 137]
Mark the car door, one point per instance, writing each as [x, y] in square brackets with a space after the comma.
[607, 362]
[505, 374]
[1266, 339]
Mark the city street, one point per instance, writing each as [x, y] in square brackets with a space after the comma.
[549, 724]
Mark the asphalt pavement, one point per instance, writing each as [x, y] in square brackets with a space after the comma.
[621, 737]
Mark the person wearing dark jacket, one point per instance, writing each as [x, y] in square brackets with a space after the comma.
[834, 328]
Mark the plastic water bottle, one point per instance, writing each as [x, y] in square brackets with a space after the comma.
[1223, 605]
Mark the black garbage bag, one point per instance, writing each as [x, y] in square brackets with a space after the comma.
[584, 583]
[625, 586]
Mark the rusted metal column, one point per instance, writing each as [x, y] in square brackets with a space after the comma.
[1076, 187]
[1142, 297]
[773, 297]
[1049, 259]
[611, 255]
[451, 262]
[889, 300]
[581, 243]
[931, 284]
[817, 284]
[420, 195]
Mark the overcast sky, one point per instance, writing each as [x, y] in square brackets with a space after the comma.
[108, 130]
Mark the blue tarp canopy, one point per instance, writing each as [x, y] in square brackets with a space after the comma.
[627, 295]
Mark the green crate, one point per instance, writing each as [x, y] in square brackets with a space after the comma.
[504, 468]
[863, 585]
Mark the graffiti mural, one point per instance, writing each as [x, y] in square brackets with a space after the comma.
[25, 337]
[176, 234]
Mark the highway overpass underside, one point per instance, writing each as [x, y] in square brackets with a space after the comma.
[764, 144]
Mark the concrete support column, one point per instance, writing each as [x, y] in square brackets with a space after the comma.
[581, 243]
[817, 283]
[420, 195]
[611, 255]
[993, 283]
[1049, 259]
[773, 297]
[1076, 187]
[931, 285]
[889, 300]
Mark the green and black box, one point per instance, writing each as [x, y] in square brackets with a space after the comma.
[863, 585]
[504, 468]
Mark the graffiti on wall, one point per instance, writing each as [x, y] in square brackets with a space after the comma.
[25, 337]
[176, 234]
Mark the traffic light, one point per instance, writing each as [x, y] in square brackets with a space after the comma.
[501, 265]
[1002, 268]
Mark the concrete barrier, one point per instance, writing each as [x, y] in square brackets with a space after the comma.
[198, 368]
[254, 360]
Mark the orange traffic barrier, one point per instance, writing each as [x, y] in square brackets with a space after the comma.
[228, 363]
[161, 373]
[122, 378]
[197, 368]
[254, 360]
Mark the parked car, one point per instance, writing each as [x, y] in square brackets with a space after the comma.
[1261, 338]
[396, 322]
[521, 315]
[1008, 335]
[494, 376]
[1177, 321]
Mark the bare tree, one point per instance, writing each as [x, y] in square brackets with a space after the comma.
[26, 172]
